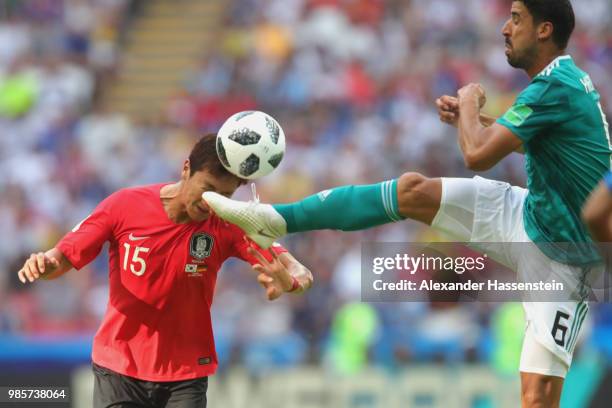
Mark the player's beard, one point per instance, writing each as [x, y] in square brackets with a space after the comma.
[522, 59]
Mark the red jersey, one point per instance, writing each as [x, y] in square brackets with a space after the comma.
[157, 325]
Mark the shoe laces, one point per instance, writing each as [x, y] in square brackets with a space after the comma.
[255, 197]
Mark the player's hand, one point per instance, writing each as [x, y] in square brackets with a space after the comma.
[273, 276]
[37, 265]
[472, 92]
[448, 109]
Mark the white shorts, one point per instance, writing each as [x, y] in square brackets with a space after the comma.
[487, 214]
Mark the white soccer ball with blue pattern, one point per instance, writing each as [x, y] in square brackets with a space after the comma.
[250, 144]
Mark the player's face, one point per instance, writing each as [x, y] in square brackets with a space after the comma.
[521, 37]
[199, 182]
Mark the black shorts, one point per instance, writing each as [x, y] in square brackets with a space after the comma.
[114, 390]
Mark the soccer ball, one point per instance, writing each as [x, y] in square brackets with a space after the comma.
[250, 144]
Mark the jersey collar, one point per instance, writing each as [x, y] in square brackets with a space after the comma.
[554, 64]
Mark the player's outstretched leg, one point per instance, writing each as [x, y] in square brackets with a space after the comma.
[346, 208]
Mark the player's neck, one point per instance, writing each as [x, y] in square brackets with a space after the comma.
[543, 61]
[173, 206]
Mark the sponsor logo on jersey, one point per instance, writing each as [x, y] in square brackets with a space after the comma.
[132, 237]
[201, 245]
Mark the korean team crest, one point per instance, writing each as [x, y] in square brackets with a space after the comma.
[201, 245]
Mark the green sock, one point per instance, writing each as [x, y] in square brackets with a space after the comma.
[347, 208]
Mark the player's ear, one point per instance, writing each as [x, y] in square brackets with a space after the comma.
[186, 170]
[545, 30]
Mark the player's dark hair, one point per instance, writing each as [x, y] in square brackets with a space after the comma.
[204, 156]
[558, 12]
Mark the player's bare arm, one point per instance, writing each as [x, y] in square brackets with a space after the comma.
[283, 274]
[448, 111]
[44, 265]
[482, 147]
[597, 213]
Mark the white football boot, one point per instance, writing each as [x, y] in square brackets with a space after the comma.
[260, 222]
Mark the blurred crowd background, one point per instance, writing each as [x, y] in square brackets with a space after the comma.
[352, 82]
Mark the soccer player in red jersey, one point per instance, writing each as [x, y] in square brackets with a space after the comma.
[155, 346]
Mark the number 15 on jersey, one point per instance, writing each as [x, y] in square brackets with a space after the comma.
[136, 264]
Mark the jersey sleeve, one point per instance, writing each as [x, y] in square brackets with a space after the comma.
[543, 104]
[85, 241]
